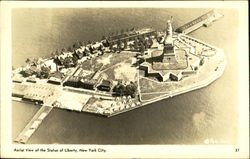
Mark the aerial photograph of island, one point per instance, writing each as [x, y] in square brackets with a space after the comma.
[124, 76]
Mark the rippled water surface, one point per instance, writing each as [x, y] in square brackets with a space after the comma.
[207, 114]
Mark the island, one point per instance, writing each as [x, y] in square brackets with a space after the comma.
[123, 71]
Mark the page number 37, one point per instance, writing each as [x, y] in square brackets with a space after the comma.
[237, 150]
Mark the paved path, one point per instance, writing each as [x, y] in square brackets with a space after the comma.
[33, 124]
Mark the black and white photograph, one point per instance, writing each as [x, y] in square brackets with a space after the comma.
[116, 75]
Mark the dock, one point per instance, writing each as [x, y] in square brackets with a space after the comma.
[204, 20]
[31, 127]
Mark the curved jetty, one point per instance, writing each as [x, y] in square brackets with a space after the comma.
[122, 72]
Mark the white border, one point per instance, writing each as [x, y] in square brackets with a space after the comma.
[124, 151]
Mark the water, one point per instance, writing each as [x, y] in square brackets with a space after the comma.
[191, 118]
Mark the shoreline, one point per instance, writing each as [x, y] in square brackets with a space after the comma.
[181, 90]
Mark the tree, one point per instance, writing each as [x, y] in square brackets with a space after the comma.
[57, 61]
[114, 49]
[100, 48]
[103, 37]
[136, 44]
[74, 59]
[27, 60]
[142, 48]
[131, 89]
[125, 44]
[142, 40]
[106, 43]
[26, 73]
[159, 39]
[150, 42]
[63, 50]
[91, 49]
[76, 45]
[57, 52]
[111, 47]
[35, 62]
[128, 90]
[146, 44]
[111, 43]
[67, 62]
[70, 49]
[33, 70]
[120, 89]
[202, 61]
[130, 46]
[122, 45]
[119, 44]
[81, 43]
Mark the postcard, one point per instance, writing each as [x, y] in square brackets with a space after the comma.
[124, 79]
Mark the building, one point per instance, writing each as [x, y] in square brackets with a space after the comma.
[105, 85]
[174, 77]
[54, 80]
[51, 64]
[31, 79]
[17, 79]
[89, 83]
[18, 90]
[72, 82]
[33, 98]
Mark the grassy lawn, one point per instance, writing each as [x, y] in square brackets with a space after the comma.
[88, 65]
[149, 86]
[105, 61]
[122, 70]
[117, 58]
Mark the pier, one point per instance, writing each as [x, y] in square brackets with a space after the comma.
[204, 20]
[31, 127]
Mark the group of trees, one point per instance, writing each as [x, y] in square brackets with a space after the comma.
[125, 90]
[40, 72]
[139, 44]
[72, 60]
[33, 61]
